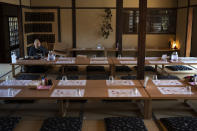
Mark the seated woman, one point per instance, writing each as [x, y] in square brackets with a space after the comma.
[37, 49]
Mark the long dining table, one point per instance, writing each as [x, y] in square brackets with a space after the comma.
[101, 90]
[63, 61]
[78, 90]
[154, 61]
[110, 61]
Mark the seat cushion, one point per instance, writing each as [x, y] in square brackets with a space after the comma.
[168, 77]
[128, 77]
[19, 101]
[71, 68]
[27, 77]
[178, 68]
[124, 124]
[62, 124]
[95, 69]
[8, 123]
[36, 69]
[147, 68]
[180, 123]
[123, 69]
[97, 77]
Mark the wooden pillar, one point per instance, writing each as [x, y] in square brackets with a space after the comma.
[20, 29]
[189, 31]
[141, 39]
[119, 29]
[59, 24]
[147, 109]
[74, 24]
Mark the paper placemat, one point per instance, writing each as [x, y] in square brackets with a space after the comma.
[128, 62]
[193, 83]
[124, 93]
[65, 62]
[167, 82]
[66, 58]
[20, 83]
[68, 93]
[187, 58]
[119, 83]
[99, 58]
[189, 61]
[174, 90]
[126, 58]
[151, 58]
[99, 62]
[158, 62]
[72, 83]
[9, 92]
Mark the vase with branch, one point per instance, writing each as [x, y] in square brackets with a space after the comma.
[106, 27]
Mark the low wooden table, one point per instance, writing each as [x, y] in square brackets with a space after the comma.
[153, 61]
[44, 62]
[154, 92]
[94, 90]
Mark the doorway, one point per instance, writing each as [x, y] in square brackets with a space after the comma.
[9, 36]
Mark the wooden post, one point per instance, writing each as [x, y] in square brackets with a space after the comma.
[112, 69]
[119, 30]
[141, 39]
[147, 109]
[189, 31]
[74, 25]
[13, 71]
[59, 24]
[20, 30]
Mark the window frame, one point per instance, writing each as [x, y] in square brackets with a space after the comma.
[125, 23]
